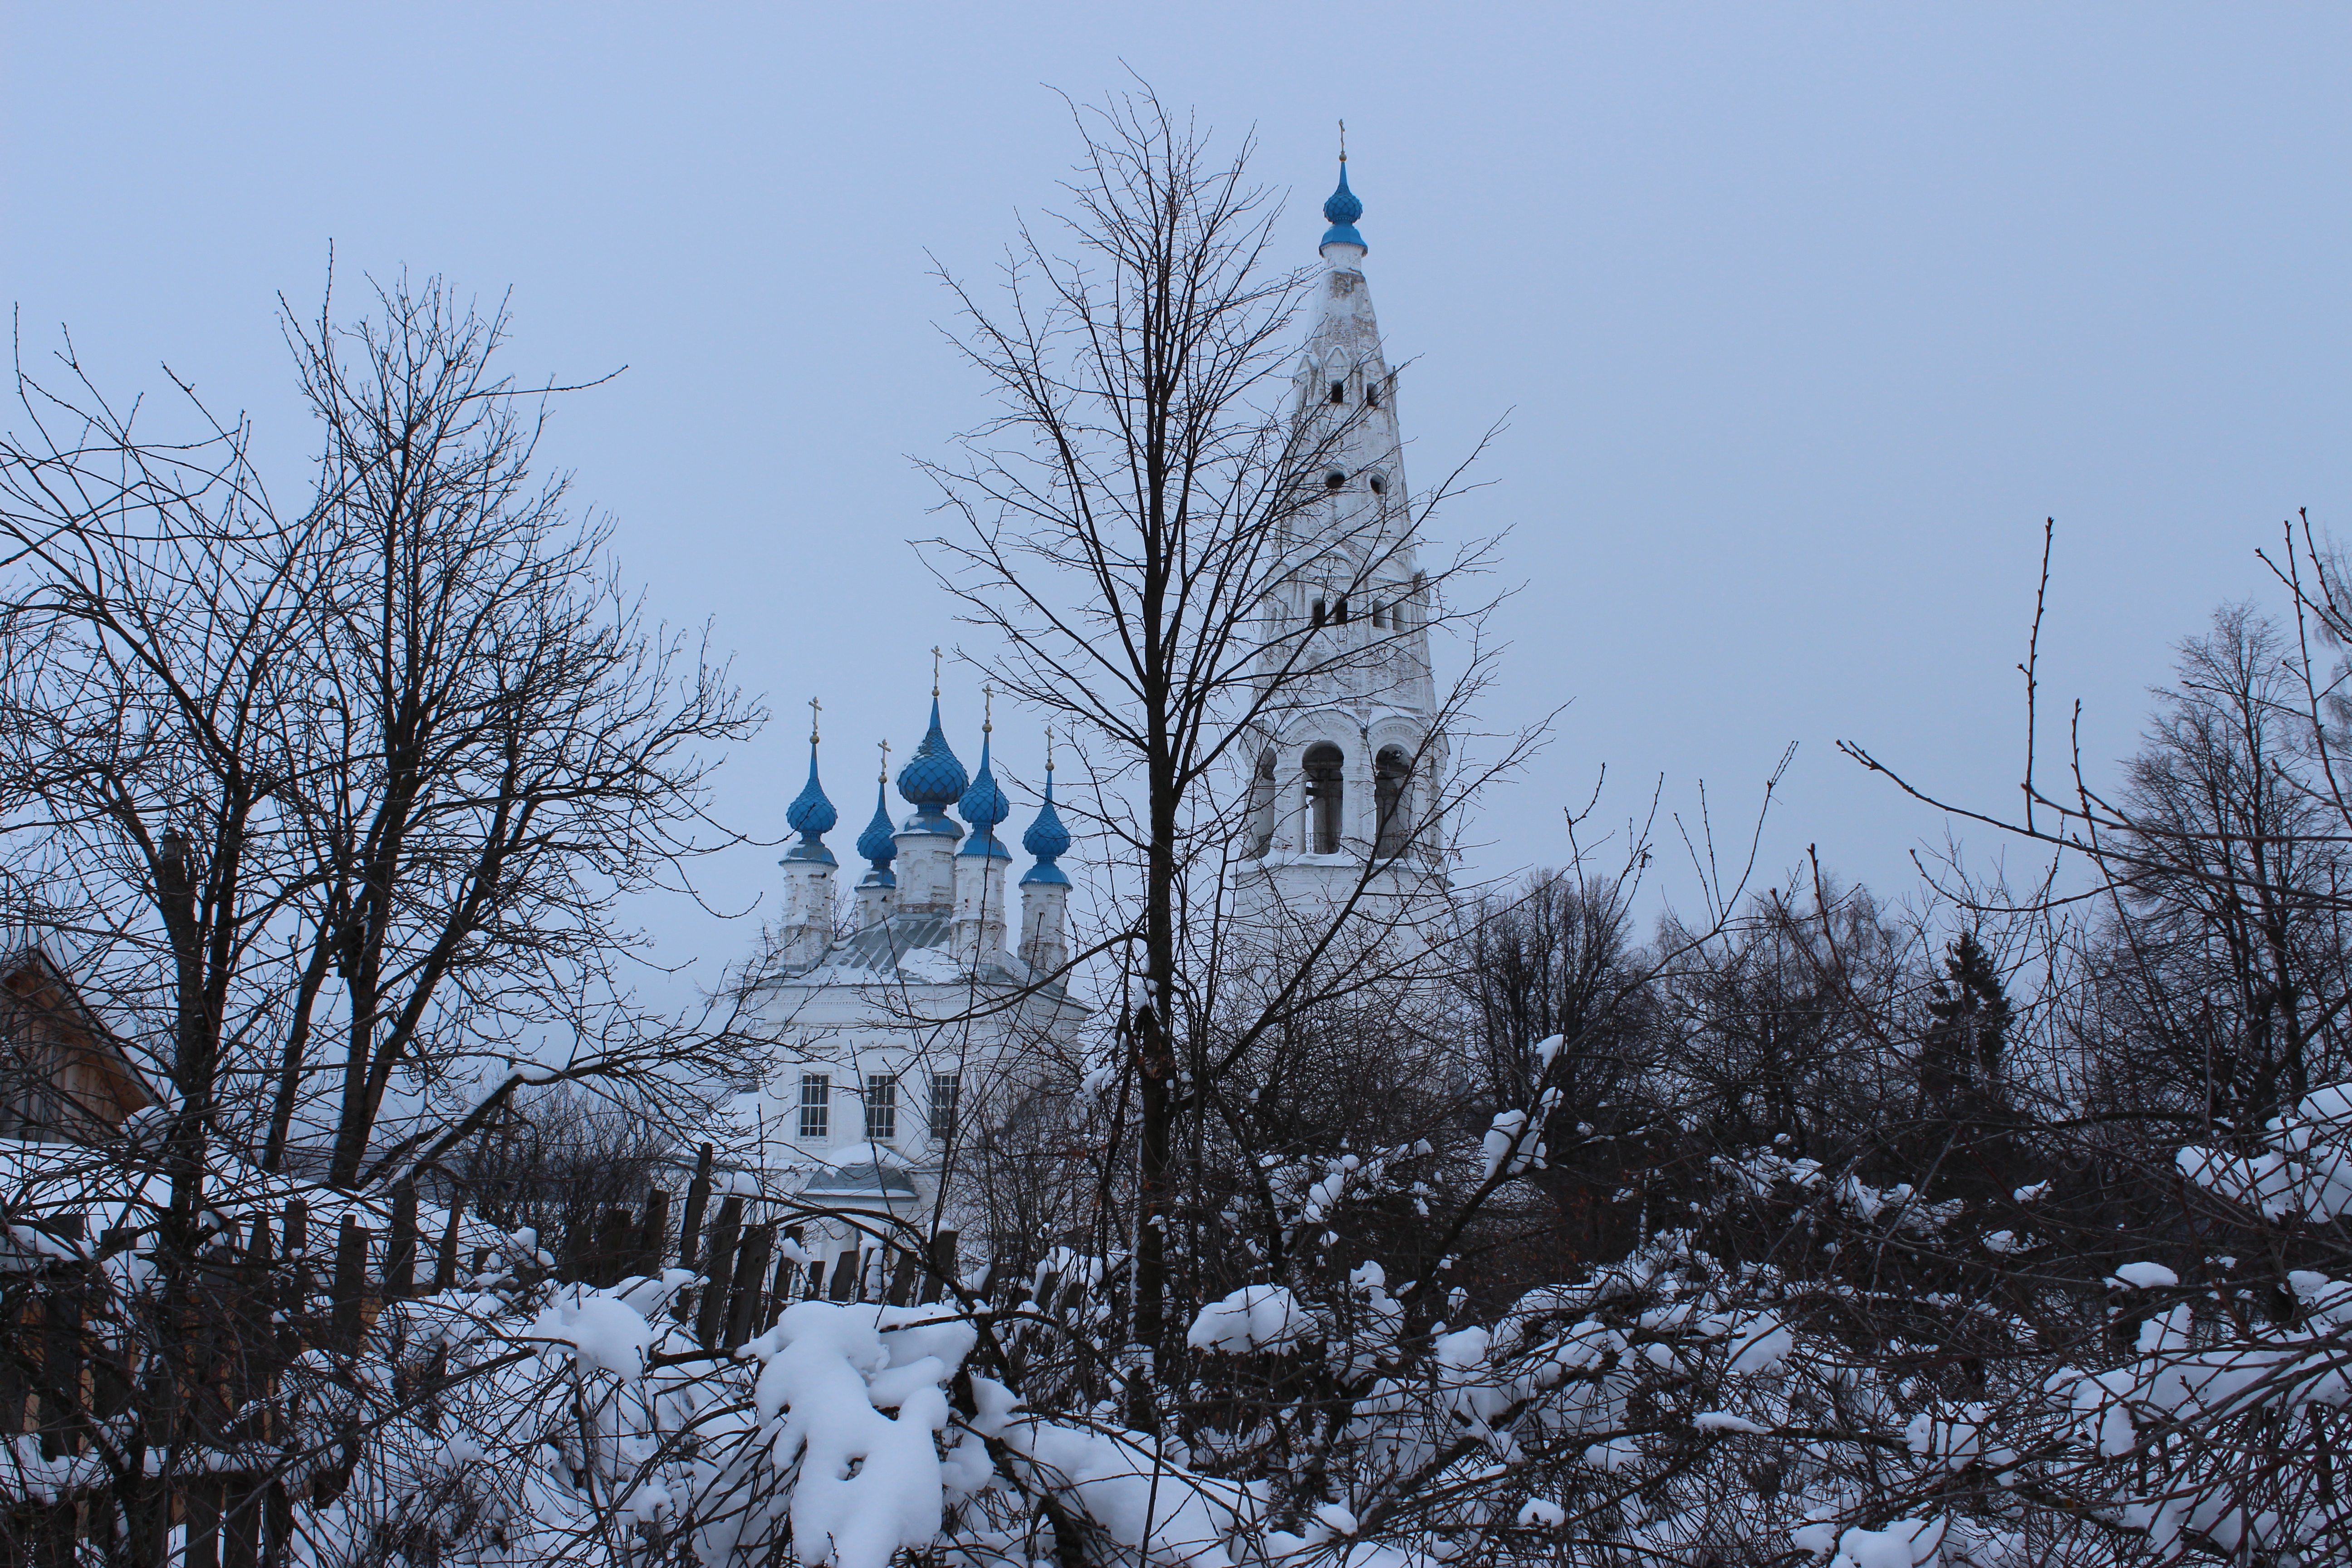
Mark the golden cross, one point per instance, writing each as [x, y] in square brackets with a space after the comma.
[814, 708]
[885, 774]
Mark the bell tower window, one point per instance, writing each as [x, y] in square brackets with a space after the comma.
[1391, 791]
[1339, 391]
[1326, 791]
[1262, 791]
[1332, 481]
[1322, 612]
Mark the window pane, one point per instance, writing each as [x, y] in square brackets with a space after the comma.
[881, 1107]
[816, 1105]
[947, 1087]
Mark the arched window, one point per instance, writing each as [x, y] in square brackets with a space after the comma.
[1379, 616]
[1379, 485]
[1332, 481]
[1340, 610]
[1339, 391]
[1322, 612]
[1392, 799]
[1371, 394]
[1262, 806]
[1325, 790]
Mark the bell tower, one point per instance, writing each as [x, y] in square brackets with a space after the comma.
[1347, 764]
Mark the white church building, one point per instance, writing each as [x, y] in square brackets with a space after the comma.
[890, 1034]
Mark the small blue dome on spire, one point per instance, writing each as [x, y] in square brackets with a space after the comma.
[984, 806]
[932, 777]
[1340, 211]
[811, 816]
[1047, 839]
[876, 843]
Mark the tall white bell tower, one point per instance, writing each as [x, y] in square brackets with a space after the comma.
[1346, 794]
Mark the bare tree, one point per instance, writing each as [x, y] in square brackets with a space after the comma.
[315, 803]
[1134, 518]
[396, 756]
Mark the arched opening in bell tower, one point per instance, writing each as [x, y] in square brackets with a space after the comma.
[1326, 793]
[1262, 793]
[1393, 801]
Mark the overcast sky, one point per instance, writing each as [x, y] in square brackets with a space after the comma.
[1802, 320]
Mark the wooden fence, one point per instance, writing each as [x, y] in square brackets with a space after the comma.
[71, 1395]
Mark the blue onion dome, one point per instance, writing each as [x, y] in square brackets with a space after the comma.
[984, 806]
[1342, 211]
[1047, 839]
[876, 843]
[932, 777]
[811, 816]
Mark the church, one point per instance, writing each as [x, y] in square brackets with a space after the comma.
[897, 1028]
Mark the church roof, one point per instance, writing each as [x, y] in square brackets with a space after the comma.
[1340, 210]
[863, 1180]
[984, 806]
[811, 816]
[876, 843]
[1046, 839]
[932, 777]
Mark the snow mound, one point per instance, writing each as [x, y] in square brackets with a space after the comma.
[1256, 1317]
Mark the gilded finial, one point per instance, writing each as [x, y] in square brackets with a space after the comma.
[885, 774]
[815, 708]
[935, 670]
[987, 709]
[1343, 141]
[1049, 748]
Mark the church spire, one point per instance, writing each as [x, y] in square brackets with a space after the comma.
[1340, 211]
[812, 815]
[876, 843]
[984, 804]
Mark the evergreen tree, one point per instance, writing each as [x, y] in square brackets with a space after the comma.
[1962, 1104]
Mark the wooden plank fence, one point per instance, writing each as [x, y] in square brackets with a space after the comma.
[259, 1304]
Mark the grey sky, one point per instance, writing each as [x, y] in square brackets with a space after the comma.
[1803, 319]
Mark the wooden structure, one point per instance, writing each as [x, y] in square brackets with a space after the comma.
[63, 1076]
[279, 1283]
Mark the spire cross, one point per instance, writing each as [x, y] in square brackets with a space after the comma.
[1343, 141]
[1049, 748]
[815, 708]
[885, 774]
[987, 708]
[935, 670]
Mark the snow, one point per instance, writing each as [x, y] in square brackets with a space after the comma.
[605, 1332]
[869, 1484]
[2147, 1277]
[1137, 1496]
[1906, 1543]
[1725, 1421]
[930, 967]
[1256, 1317]
[1762, 1344]
[1503, 1139]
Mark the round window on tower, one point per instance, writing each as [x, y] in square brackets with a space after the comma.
[1332, 481]
[1379, 486]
